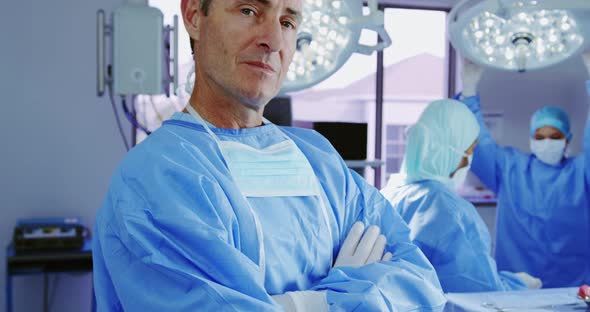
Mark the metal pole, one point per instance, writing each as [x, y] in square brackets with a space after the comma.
[379, 118]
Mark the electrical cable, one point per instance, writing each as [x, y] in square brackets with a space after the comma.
[131, 118]
[167, 59]
[111, 97]
[134, 114]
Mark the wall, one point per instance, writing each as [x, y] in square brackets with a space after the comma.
[59, 140]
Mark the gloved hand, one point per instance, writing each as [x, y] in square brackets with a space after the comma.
[302, 301]
[471, 74]
[529, 281]
[359, 249]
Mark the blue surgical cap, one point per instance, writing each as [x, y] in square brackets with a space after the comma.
[551, 116]
[436, 143]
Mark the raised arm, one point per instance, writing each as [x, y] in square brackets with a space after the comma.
[407, 282]
[487, 159]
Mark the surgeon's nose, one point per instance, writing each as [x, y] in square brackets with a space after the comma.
[270, 36]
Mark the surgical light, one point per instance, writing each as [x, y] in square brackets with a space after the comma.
[329, 34]
[519, 35]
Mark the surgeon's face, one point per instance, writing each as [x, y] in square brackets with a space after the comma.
[548, 132]
[244, 47]
[464, 161]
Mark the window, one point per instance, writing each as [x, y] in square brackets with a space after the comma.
[395, 147]
[414, 74]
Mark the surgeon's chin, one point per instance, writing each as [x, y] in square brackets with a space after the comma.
[257, 99]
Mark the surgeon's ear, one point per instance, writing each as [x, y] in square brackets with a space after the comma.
[191, 15]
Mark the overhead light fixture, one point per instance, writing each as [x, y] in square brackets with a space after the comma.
[519, 35]
[329, 34]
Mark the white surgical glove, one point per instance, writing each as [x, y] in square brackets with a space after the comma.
[303, 301]
[529, 281]
[471, 74]
[286, 301]
[359, 249]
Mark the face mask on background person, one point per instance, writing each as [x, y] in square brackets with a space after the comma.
[548, 151]
[458, 179]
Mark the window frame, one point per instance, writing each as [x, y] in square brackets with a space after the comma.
[451, 68]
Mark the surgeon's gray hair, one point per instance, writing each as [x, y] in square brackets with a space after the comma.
[205, 4]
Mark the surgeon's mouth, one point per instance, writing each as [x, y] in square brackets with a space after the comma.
[261, 66]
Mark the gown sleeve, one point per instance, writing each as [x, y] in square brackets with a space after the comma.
[183, 256]
[457, 249]
[408, 282]
[489, 157]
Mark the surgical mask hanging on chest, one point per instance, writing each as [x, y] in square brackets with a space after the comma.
[280, 169]
[548, 151]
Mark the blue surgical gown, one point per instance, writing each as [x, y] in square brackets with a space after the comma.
[453, 237]
[175, 234]
[543, 217]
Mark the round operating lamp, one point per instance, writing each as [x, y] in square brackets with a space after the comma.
[328, 35]
[519, 35]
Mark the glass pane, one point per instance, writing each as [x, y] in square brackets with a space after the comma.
[415, 73]
[390, 149]
[391, 133]
[393, 163]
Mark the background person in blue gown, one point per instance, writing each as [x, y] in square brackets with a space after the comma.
[220, 210]
[446, 227]
[543, 217]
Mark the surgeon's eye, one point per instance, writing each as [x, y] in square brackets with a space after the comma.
[289, 24]
[248, 11]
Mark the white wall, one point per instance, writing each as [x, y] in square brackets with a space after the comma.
[59, 141]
